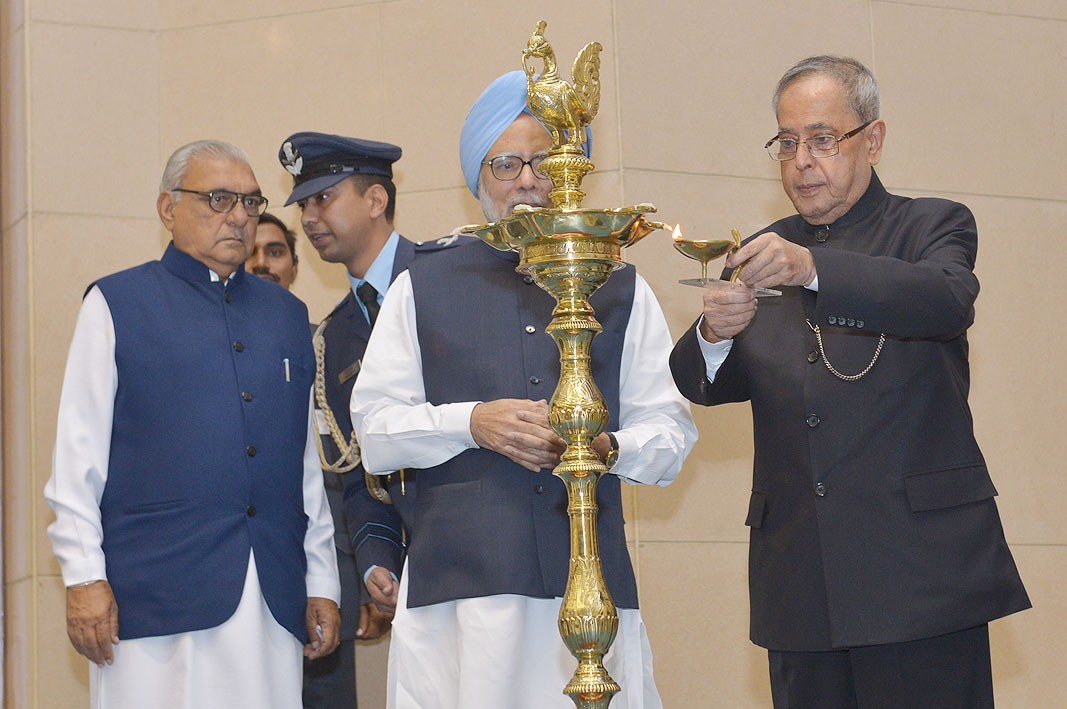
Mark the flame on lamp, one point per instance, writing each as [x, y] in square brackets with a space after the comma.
[677, 232]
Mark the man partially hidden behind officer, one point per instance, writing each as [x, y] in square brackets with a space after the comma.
[877, 556]
[454, 383]
[274, 252]
[192, 527]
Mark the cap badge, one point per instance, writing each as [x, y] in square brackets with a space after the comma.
[292, 162]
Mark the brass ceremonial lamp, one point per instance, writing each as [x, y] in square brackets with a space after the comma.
[570, 252]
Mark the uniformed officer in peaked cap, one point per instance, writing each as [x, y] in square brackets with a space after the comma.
[346, 195]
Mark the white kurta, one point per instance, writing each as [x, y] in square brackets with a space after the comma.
[197, 670]
[505, 651]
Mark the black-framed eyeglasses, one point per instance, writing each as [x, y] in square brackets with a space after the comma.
[782, 148]
[509, 167]
[223, 201]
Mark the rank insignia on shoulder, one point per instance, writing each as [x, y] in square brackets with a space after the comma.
[445, 242]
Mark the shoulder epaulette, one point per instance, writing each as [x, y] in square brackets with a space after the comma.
[445, 242]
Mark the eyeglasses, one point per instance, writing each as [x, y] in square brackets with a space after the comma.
[820, 146]
[509, 167]
[223, 201]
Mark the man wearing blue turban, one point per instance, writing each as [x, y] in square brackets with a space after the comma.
[454, 384]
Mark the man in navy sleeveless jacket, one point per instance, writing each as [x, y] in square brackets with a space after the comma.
[455, 381]
[877, 556]
[191, 521]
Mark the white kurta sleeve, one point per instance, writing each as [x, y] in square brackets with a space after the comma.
[322, 577]
[394, 424]
[83, 444]
[715, 353]
[656, 429]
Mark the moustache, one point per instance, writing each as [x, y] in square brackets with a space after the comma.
[265, 273]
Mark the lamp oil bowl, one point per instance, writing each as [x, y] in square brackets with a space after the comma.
[704, 250]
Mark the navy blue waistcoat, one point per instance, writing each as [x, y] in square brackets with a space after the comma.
[206, 447]
[484, 525]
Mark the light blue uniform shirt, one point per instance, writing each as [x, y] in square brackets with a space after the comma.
[379, 274]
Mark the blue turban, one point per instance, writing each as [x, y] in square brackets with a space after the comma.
[494, 111]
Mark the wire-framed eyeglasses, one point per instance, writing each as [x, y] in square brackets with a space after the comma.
[782, 148]
[509, 167]
[223, 201]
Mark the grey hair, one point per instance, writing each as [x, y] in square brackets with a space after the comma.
[861, 88]
[178, 163]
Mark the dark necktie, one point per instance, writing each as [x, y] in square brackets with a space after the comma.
[369, 296]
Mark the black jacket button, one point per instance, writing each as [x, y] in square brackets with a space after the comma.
[239, 346]
[227, 297]
[812, 420]
[832, 320]
[528, 280]
[813, 356]
[820, 489]
[251, 450]
[535, 380]
[251, 510]
[247, 396]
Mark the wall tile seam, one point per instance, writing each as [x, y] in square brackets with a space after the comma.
[382, 81]
[260, 18]
[91, 26]
[93, 215]
[928, 192]
[971, 10]
[34, 629]
[694, 173]
[615, 55]
[21, 218]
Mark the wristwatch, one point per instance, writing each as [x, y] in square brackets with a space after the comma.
[613, 453]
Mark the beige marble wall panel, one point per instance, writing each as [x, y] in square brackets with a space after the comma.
[64, 674]
[114, 14]
[694, 600]
[696, 78]
[276, 77]
[12, 127]
[706, 207]
[973, 101]
[19, 640]
[18, 493]
[441, 56]
[1027, 648]
[1046, 9]
[372, 661]
[70, 252]
[203, 13]
[1017, 372]
[709, 500]
[430, 214]
[94, 137]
